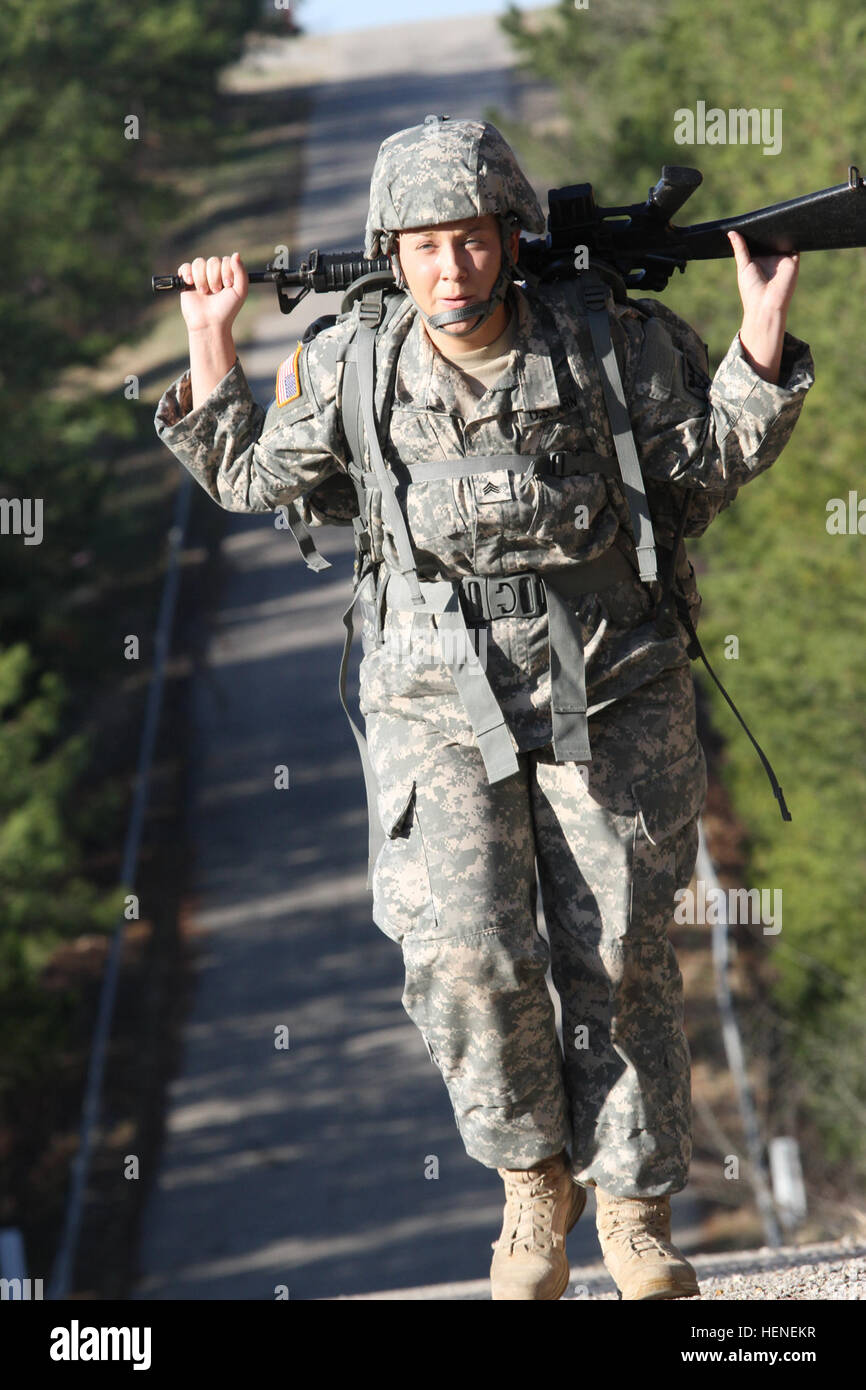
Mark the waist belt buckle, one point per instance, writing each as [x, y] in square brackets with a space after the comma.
[503, 598]
[521, 594]
[474, 599]
[535, 595]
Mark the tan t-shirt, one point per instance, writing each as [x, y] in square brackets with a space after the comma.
[483, 366]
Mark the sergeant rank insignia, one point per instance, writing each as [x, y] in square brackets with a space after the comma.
[288, 386]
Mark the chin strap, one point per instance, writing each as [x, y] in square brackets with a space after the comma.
[482, 311]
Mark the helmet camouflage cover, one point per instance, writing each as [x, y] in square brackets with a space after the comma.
[443, 171]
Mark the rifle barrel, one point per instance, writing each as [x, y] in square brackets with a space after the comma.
[323, 271]
[167, 283]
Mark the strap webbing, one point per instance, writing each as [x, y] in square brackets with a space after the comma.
[588, 577]
[313, 559]
[350, 406]
[563, 465]
[440, 596]
[485, 715]
[591, 576]
[685, 617]
[393, 514]
[568, 702]
[567, 680]
[595, 304]
[677, 555]
[376, 835]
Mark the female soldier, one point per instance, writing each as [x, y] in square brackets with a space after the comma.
[518, 478]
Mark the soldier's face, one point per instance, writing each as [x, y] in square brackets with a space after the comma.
[453, 264]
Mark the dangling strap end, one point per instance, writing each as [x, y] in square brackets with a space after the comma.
[570, 736]
[497, 752]
[646, 555]
[773, 780]
[318, 563]
[411, 578]
[313, 559]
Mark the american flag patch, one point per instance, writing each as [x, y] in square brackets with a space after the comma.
[288, 381]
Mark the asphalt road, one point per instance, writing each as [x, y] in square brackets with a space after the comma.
[304, 1166]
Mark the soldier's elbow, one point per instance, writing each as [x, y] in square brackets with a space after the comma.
[235, 499]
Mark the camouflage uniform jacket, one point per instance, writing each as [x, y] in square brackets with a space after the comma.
[691, 433]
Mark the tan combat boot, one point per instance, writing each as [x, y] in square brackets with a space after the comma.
[635, 1238]
[541, 1206]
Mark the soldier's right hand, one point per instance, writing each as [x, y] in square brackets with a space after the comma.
[221, 286]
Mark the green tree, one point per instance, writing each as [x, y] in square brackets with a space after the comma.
[80, 203]
[775, 577]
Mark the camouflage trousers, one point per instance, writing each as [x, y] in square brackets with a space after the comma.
[455, 885]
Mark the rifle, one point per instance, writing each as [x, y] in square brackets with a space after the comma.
[636, 246]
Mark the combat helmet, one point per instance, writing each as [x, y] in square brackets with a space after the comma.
[443, 171]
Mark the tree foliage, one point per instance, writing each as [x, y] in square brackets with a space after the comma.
[79, 207]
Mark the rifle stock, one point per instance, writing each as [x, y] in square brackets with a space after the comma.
[830, 220]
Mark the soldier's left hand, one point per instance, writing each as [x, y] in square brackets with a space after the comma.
[766, 283]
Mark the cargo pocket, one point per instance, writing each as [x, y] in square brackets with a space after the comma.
[396, 805]
[402, 899]
[650, 1117]
[667, 805]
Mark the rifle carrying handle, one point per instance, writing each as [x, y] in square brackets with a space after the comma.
[676, 184]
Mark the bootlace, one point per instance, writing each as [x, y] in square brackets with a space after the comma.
[641, 1241]
[531, 1223]
[643, 1233]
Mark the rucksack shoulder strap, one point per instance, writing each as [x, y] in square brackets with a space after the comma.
[374, 311]
[370, 316]
[593, 293]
